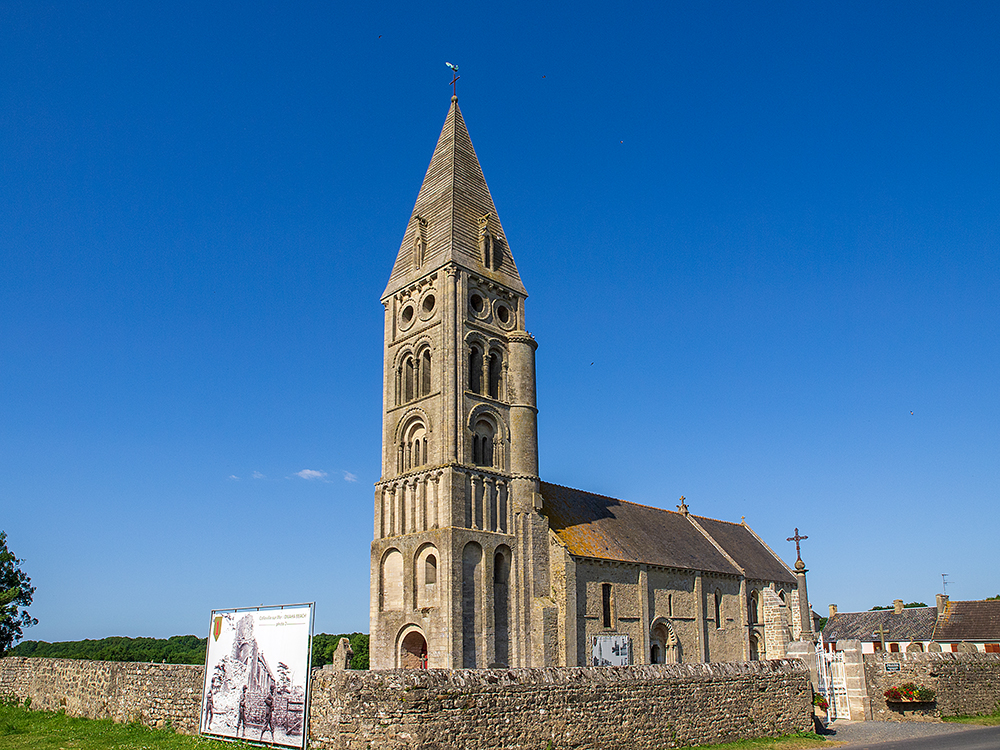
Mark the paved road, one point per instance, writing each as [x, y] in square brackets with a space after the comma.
[895, 735]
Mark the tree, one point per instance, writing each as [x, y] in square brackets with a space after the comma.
[15, 595]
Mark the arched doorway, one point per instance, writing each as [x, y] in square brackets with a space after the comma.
[754, 647]
[413, 651]
[664, 648]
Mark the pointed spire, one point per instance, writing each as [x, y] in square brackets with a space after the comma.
[454, 219]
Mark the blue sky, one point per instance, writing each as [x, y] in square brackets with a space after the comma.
[761, 242]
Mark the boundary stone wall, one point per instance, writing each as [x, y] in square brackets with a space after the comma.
[634, 708]
[966, 684]
[610, 708]
[151, 694]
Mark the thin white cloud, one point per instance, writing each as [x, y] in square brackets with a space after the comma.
[349, 477]
[258, 475]
[234, 477]
[310, 474]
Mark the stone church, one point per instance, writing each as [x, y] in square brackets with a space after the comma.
[476, 561]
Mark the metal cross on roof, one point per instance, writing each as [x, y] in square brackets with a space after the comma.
[797, 539]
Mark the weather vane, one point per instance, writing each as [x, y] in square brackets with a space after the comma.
[454, 80]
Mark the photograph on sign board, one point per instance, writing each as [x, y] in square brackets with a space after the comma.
[611, 651]
[257, 674]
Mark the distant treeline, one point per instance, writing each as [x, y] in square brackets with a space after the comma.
[180, 649]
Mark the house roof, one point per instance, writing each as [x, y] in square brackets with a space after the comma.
[912, 624]
[969, 621]
[610, 529]
[741, 544]
[452, 198]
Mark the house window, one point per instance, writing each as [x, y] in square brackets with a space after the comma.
[894, 648]
[877, 645]
[992, 648]
[606, 605]
[718, 608]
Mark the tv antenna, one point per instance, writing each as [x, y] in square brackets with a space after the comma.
[944, 584]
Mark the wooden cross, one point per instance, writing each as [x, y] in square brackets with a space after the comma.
[797, 539]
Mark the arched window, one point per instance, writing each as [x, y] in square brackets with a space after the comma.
[413, 450]
[425, 373]
[495, 373]
[476, 370]
[408, 379]
[753, 607]
[718, 608]
[482, 443]
[392, 581]
[425, 577]
[654, 654]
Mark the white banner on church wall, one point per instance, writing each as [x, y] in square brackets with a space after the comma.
[257, 674]
[611, 651]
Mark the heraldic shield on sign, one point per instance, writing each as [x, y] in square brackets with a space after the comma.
[257, 675]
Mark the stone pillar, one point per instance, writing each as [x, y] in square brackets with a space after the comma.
[805, 616]
[699, 597]
[645, 617]
[858, 700]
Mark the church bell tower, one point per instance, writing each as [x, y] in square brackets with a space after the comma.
[459, 561]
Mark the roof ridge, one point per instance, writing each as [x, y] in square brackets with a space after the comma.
[609, 497]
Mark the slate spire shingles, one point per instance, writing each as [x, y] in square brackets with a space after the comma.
[452, 198]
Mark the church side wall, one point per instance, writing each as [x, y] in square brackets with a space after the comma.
[638, 708]
[670, 597]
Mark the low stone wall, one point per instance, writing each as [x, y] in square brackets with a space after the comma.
[633, 708]
[152, 694]
[966, 684]
[638, 708]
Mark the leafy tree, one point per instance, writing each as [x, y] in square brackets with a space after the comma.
[905, 606]
[15, 595]
[992, 598]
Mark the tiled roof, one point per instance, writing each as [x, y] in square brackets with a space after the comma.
[452, 197]
[969, 621]
[746, 549]
[605, 528]
[912, 624]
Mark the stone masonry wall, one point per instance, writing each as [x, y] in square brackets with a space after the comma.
[638, 708]
[152, 694]
[966, 684]
[633, 708]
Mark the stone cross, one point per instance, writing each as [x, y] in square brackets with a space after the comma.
[683, 506]
[797, 539]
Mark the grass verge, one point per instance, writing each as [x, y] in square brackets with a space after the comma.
[21, 729]
[788, 742]
[985, 720]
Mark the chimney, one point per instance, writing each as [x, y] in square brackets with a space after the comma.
[833, 610]
[942, 602]
[897, 606]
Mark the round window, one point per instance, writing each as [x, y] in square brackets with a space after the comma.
[477, 304]
[406, 316]
[427, 306]
[504, 316]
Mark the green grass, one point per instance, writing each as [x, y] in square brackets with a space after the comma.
[788, 742]
[21, 729]
[986, 720]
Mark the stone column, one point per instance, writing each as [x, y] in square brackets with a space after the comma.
[645, 615]
[699, 616]
[805, 617]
